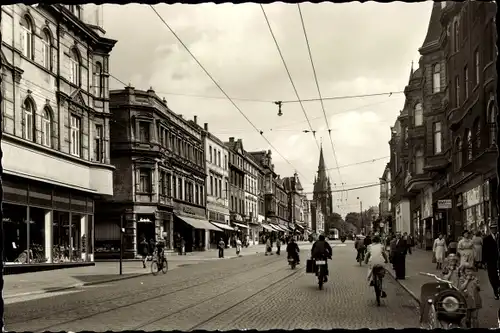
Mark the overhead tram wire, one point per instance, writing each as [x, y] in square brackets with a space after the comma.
[222, 90]
[319, 94]
[289, 75]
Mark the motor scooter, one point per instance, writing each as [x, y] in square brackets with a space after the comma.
[442, 305]
[292, 261]
[320, 264]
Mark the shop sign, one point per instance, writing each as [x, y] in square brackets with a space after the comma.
[473, 197]
[178, 207]
[444, 204]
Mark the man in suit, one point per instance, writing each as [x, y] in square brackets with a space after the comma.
[399, 259]
[491, 245]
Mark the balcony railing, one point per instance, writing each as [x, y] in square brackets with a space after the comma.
[480, 155]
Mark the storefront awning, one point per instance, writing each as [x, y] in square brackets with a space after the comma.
[282, 227]
[298, 225]
[223, 226]
[267, 227]
[198, 223]
[240, 225]
[276, 228]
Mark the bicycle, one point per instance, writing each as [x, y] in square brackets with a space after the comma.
[159, 265]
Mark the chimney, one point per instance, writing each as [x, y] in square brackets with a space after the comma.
[205, 126]
[195, 120]
[231, 139]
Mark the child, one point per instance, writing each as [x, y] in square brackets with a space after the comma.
[469, 285]
[451, 271]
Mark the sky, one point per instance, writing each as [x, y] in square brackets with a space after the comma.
[357, 49]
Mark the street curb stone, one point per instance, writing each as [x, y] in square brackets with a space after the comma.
[411, 293]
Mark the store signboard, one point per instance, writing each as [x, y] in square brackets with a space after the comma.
[427, 203]
[444, 204]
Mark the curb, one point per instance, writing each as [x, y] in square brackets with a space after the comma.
[85, 284]
[405, 288]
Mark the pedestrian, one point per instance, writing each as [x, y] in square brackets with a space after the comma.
[466, 249]
[269, 248]
[392, 250]
[238, 246]
[477, 242]
[399, 260]
[221, 245]
[469, 285]
[144, 250]
[183, 246]
[439, 251]
[278, 246]
[490, 258]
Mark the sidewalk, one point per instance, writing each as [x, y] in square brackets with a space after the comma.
[20, 285]
[421, 261]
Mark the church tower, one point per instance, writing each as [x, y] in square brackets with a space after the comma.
[322, 187]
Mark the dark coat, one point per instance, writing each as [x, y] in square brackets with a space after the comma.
[320, 248]
[401, 246]
[490, 250]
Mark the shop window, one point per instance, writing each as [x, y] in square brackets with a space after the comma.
[436, 78]
[15, 231]
[61, 236]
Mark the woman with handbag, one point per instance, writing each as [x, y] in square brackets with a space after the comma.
[439, 251]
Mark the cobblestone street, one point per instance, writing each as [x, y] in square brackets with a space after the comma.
[253, 292]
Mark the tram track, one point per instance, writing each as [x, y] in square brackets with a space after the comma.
[144, 295]
[153, 321]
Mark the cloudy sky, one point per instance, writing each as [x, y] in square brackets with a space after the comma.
[357, 49]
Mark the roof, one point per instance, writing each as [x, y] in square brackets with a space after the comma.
[434, 27]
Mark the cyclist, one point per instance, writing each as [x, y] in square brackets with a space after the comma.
[377, 258]
[160, 249]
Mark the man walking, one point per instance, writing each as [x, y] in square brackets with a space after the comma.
[221, 247]
[490, 258]
[399, 259]
[278, 246]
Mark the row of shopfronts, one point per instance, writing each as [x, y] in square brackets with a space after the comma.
[441, 209]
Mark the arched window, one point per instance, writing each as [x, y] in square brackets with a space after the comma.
[492, 123]
[436, 78]
[27, 41]
[419, 161]
[98, 80]
[458, 154]
[47, 49]
[456, 41]
[418, 115]
[29, 120]
[477, 134]
[468, 137]
[47, 127]
[74, 71]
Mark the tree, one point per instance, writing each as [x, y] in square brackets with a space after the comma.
[353, 219]
[334, 221]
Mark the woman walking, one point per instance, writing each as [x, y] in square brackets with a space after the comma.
[477, 242]
[466, 249]
[439, 251]
[144, 250]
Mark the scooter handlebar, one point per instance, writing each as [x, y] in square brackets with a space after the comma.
[435, 277]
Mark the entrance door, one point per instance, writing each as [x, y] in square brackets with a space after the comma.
[147, 230]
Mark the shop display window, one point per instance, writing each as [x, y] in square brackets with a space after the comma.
[37, 236]
[61, 237]
[15, 228]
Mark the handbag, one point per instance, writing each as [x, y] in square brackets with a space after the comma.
[434, 260]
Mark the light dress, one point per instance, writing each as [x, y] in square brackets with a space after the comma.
[465, 249]
[477, 242]
[376, 257]
[439, 250]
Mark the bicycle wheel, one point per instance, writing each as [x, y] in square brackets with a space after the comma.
[154, 267]
[164, 267]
